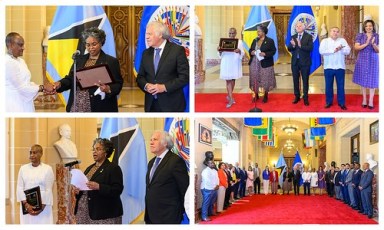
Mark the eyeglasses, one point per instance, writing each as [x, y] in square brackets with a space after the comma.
[30, 152]
[91, 44]
[97, 150]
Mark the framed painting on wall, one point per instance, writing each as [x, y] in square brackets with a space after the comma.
[205, 135]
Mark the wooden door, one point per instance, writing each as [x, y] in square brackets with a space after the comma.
[125, 21]
[281, 21]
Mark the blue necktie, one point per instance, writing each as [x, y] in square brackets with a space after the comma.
[298, 56]
[157, 58]
[154, 167]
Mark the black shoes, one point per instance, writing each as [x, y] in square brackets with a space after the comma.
[327, 106]
[306, 102]
[343, 107]
[370, 107]
[296, 100]
[265, 99]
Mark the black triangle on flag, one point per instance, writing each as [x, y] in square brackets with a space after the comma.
[75, 32]
[264, 23]
[120, 141]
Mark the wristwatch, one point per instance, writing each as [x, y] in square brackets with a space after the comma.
[41, 88]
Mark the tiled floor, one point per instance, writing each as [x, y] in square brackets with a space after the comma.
[213, 84]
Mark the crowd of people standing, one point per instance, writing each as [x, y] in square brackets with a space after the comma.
[228, 183]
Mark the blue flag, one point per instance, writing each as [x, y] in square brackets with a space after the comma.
[259, 15]
[257, 121]
[326, 120]
[130, 154]
[305, 15]
[318, 131]
[177, 20]
[65, 38]
[297, 162]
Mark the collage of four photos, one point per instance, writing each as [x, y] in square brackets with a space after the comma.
[191, 114]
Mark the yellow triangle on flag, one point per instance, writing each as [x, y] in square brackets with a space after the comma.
[60, 54]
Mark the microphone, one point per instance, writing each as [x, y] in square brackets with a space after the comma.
[75, 54]
[70, 164]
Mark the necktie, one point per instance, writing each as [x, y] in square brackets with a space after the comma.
[157, 58]
[298, 56]
[154, 167]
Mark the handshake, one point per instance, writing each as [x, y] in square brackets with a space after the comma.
[49, 88]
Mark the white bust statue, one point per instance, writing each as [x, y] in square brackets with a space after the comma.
[326, 167]
[66, 148]
[198, 32]
[372, 163]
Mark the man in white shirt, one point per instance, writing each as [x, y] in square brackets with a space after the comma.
[307, 181]
[334, 49]
[209, 187]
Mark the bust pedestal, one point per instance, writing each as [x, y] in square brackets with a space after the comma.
[65, 196]
[199, 71]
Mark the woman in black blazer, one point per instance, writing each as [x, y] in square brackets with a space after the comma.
[261, 72]
[101, 204]
[86, 100]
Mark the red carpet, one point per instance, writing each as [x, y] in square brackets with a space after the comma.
[216, 102]
[283, 209]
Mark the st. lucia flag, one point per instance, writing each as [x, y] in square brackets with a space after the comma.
[130, 154]
[178, 129]
[297, 162]
[65, 38]
[281, 164]
[259, 15]
[177, 20]
[305, 15]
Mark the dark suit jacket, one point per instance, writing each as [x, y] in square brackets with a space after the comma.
[304, 52]
[356, 177]
[297, 176]
[366, 180]
[268, 47]
[109, 104]
[164, 198]
[172, 71]
[105, 203]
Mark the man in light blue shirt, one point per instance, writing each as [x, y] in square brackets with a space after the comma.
[334, 49]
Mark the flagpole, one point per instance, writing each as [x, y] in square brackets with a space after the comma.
[74, 57]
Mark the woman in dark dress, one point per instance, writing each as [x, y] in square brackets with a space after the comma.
[86, 100]
[287, 181]
[101, 204]
[261, 72]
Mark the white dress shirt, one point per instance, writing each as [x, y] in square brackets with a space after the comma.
[209, 179]
[332, 59]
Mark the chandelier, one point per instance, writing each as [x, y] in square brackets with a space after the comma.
[289, 144]
[289, 128]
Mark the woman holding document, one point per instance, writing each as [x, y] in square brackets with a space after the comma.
[101, 97]
[261, 71]
[101, 204]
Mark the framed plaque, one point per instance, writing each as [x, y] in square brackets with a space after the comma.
[228, 44]
[91, 76]
[33, 198]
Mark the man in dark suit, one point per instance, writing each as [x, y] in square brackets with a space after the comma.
[301, 46]
[355, 184]
[167, 181]
[164, 71]
[296, 179]
[365, 187]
